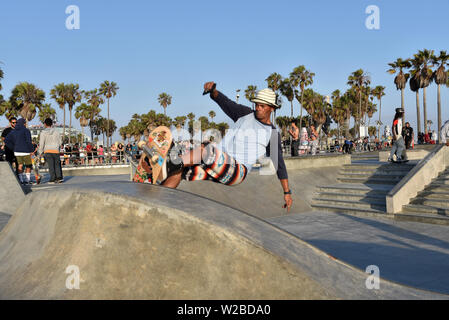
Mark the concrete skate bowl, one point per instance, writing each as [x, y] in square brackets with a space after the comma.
[134, 241]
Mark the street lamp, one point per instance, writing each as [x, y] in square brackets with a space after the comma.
[237, 100]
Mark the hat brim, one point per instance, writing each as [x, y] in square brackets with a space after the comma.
[256, 100]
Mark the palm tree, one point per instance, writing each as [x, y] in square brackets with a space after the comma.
[46, 111]
[379, 92]
[304, 78]
[108, 90]
[26, 98]
[440, 77]
[1, 77]
[212, 115]
[72, 96]
[425, 57]
[358, 80]
[401, 79]
[415, 84]
[7, 110]
[164, 100]
[58, 94]
[250, 93]
[90, 113]
[83, 115]
[274, 81]
[283, 122]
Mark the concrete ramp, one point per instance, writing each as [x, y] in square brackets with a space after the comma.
[134, 241]
[11, 193]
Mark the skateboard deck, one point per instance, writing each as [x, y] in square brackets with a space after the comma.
[154, 156]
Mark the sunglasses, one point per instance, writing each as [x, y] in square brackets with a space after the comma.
[13, 122]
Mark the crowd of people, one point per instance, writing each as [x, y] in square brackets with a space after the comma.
[307, 141]
[26, 155]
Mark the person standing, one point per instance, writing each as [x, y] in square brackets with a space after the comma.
[313, 139]
[49, 146]
[294, 132]
[444, 133]
[19, 140]
[398, 140]
[9, 154]
[408, 135]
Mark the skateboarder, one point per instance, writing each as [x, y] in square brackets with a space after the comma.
[230, 161]
[398, 141]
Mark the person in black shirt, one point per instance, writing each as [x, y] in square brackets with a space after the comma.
[9, 154]
[408, 135]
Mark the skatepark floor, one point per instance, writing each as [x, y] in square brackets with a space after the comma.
[410, 253]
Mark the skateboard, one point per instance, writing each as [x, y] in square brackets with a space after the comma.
[155, 151]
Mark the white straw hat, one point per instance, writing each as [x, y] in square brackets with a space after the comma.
[266, 96]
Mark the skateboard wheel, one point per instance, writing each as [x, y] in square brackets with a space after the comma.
[155, 158]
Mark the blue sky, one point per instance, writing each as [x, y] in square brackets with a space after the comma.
[149, 47]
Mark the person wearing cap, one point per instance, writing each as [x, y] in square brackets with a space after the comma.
[398, 141]
[252, 137]
[20, 141]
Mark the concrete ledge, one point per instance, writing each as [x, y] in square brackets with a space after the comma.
[317, 161]
[415, 154]
[417, 179]
[11, 192]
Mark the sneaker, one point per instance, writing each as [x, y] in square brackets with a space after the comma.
[51, 182]
[60, 181]
[172, 164]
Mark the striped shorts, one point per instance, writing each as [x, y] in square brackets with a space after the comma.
[218, 167]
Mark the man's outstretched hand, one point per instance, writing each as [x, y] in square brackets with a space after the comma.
[209, 87]
[288, 202]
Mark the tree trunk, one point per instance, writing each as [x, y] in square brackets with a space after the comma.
[425, 109]
[108, 126]
[292, 108]
[70, 125]
[418, 115]
[63, 130]
[439, 111]
[402, 106]
[300, 117]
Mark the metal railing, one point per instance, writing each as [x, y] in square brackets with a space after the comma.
[93, 159]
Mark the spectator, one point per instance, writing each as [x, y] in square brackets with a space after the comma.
[408, 135]
[19, 140]
[398, 139]
[120, 152]
[134, 149]
[9, 154]
[313, 139]
[89, 153]
[114, 153]
[100, 152]
[48, 146]
[294, 132]
[67, 153]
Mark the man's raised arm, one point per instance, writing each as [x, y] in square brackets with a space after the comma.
[232, 109]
